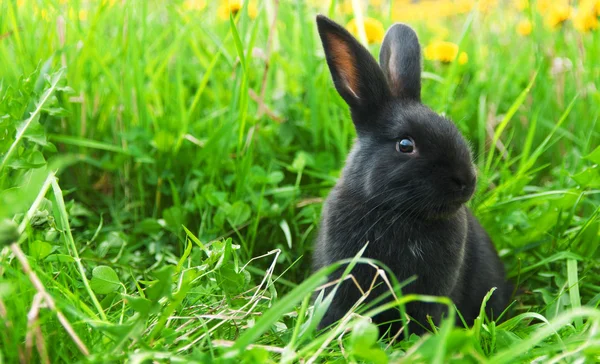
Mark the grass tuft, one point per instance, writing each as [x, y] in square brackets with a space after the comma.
[163, 167]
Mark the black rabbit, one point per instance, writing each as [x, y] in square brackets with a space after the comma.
[403, 189]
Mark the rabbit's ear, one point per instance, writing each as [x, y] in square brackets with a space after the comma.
[356, 74]
[400, 59]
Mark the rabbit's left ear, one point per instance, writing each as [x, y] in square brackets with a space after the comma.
[400, 59]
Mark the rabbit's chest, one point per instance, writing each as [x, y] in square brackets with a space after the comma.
[432, 253]
[414, 243]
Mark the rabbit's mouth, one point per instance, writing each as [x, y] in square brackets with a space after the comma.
[461, 196]
[448, 208]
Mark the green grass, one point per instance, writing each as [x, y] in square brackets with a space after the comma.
[170, 217]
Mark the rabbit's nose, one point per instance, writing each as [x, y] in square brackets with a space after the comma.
[459, 183]
[462, 183]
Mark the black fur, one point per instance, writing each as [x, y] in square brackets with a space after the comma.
[409, 207]
[404, 67]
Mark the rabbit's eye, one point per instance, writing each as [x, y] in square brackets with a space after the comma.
[405, 145]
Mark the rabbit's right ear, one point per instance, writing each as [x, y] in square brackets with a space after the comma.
[356, 75]
[400, 59]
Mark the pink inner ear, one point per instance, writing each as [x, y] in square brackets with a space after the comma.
[393, 77]
[344, 63]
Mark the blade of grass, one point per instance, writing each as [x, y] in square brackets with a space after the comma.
[244, 83]
[291, 299]
[574, 290]
[504, 123]
[541, 148]
[54, 79]
[63, 220]
[512, 354]
[87, 143]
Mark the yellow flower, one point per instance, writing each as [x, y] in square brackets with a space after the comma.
[524, 27]
[82, 14]
[411, 11]
[521, 4]
[41, 12]
[593, 6]
[194, 5]
[445, 52]
[456, 7]
[585, 21]
[345, 7]
[543, 5]
[487, 5]
[373, 28]
[375, 3]
[234, 6]
[557, 15]
[586, 16]
[318, 4]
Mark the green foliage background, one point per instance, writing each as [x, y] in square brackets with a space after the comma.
[171, 217]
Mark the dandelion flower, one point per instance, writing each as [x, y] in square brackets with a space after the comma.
[82, 14]
[373, 28]
[585, 21]
[450, 8]
[487, 5]
[43, 13]
[557, 15]
[345, 7]
[318, 4]
[234, 6]
[544, 5]
[521, 5]
[586, 18]
[445, 52]
[524, 27]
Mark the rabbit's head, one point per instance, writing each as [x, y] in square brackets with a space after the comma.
[406, 155]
